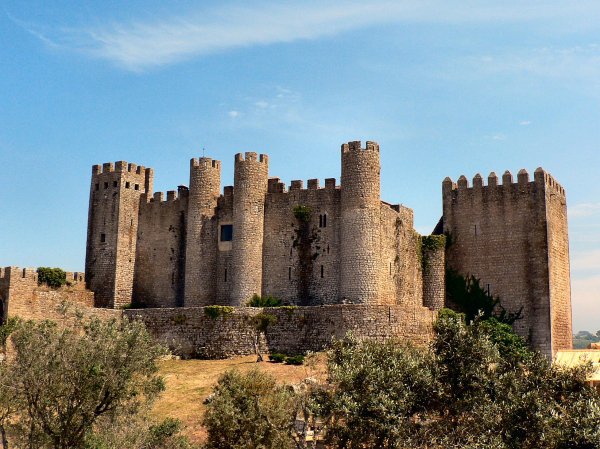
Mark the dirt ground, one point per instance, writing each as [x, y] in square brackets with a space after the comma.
[189, 382]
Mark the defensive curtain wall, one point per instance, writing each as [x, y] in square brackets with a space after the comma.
[219, 332]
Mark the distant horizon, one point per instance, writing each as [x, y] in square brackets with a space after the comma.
[446, 89]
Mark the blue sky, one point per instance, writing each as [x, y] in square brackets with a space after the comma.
[446, 88]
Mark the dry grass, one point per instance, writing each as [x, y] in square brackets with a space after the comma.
[189, 382]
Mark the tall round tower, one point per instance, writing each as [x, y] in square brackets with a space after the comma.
[361, 223]
[250, 186]
[201, 239]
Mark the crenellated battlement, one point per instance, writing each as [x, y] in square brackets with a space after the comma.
[30, 275]
[355, 146]
[119, 167]
[277, 186]
[251, 156]
[205, 162]
[522, 185]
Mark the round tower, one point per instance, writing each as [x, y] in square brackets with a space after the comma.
[201, 239]
[250, 186]
[360, 223]
[433, 258]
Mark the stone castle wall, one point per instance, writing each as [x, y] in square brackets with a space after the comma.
[159, 279]
[190, 332]
[500, 234]
[21, 296]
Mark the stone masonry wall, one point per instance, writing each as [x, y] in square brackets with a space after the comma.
[301, 256]
[558, 248]
[160, 250]
[21, 297]
[190, 332]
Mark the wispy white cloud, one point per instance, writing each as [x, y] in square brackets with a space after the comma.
[584, 210]
[139, 45]
[233, 114]
[525, 122]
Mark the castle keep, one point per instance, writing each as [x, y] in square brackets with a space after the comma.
[347, 259]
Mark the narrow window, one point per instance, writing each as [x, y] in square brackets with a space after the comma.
[132, 222]
[97, 186]
[320, 221]
[475, 229]
[322, 270]
[290, 273]
[226, 233]
[127, 184]
[173, 278]
[137, 187]
[390, 268]
[324, 220]
[327, 249]
[225, 275]
[106, 185]
[291, 252]
[114, 183]
[102, 238]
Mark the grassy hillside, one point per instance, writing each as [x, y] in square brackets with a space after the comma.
[189, 382]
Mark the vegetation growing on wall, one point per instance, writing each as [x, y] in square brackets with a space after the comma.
[305, 237]
[428, 244]
[302, 213]
[216, 311]
[52, 277]
[264, 301]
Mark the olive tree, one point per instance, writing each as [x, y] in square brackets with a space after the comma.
[60, 381]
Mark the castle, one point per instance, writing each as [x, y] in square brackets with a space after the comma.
[347, 259]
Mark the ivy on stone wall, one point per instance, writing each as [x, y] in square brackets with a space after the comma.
[302, 213]
[428, 244]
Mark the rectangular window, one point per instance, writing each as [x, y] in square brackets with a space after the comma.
[106, 185]
[114, 183]
[290, 273]
[225, 274]
[137, 187]
[127, 184]
[97, 186]
[226, 233]
[102, 238]
[322, 271]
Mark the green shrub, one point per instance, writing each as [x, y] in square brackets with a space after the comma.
[264, 320]
[295, 360]
[216, 311]
[52, 277]
[264, 301]
[277, 358]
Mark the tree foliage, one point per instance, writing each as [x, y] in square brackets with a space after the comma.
[61, 382]
[249, 411]
[477, 386]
